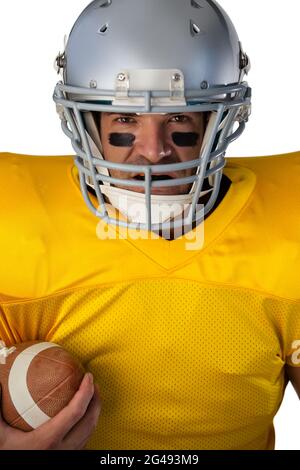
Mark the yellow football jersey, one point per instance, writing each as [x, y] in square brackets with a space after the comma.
[188, 346]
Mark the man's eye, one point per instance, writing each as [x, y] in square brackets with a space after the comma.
[129, 120]
[125, 120]
[180, 118]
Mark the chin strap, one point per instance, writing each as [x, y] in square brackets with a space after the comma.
[5, 352]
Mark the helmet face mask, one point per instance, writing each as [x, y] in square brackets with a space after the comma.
[154, 139]
[188, 59]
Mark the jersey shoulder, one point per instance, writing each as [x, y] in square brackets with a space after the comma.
[277, 187]
[281, 170]
[36, 194]
[270, 224]
[21, 169]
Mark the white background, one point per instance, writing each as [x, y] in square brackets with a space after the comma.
[31, 35]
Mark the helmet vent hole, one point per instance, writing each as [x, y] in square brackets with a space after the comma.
[195, 4]
[195, 30]
[103, 29]
[105, 3]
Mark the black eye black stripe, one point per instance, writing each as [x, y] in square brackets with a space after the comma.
[185, 139]
[121, 140]
[181, 139]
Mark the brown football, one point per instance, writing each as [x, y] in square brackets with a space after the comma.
[38, 379]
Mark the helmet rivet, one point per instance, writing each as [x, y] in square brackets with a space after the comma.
[176, 77]
[93, 84]
[204, 85]
[121, 77]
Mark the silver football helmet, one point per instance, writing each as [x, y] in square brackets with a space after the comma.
[152, 56]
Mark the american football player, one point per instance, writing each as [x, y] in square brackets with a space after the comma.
[168, 270]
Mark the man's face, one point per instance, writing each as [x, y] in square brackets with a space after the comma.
[152, 139]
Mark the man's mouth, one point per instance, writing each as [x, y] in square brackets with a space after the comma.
[153, 177]
[163, 190]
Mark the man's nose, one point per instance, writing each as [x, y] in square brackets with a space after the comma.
[152, 143]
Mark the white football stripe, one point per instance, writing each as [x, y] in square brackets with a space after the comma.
[17, 386]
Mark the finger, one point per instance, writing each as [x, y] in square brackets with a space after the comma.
[77, 438]
[56, 428]
[81, 432]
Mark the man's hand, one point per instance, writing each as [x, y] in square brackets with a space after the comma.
[70, 429]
